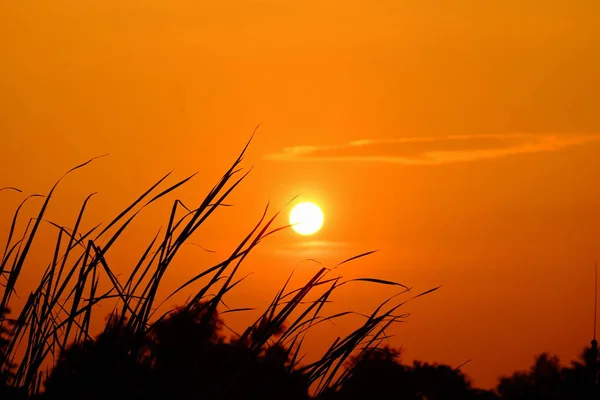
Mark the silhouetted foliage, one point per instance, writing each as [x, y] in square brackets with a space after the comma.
[113, 362]
[140, 353]
[378, 373]
[548, 380]
[183, 354]
[183, 357]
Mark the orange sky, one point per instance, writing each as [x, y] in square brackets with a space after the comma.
[460, 138]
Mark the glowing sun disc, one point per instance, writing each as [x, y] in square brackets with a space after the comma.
[306, 218]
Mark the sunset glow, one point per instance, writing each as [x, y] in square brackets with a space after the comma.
[460, 139]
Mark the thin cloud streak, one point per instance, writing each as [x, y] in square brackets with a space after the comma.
[433, 151]
[320, 243]
[313, 248]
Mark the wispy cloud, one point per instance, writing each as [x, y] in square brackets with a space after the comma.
[433, 150]
[314, 244]
[313, 248]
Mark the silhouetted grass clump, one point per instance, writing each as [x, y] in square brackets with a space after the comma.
[48, 349]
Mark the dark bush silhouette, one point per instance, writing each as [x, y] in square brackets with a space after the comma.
[183, 357]
[189, 358]
[186, 356]
[548, 380]
[379, 374]
[111, 364]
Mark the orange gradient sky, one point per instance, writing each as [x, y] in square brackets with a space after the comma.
[461, 138]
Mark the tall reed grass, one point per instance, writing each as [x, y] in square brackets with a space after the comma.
[57, 313]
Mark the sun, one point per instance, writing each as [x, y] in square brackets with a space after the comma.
[306, 218]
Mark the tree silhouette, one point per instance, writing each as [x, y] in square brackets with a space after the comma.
[378, 373]
[548, 380]
[184, 356]
[100, 368]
